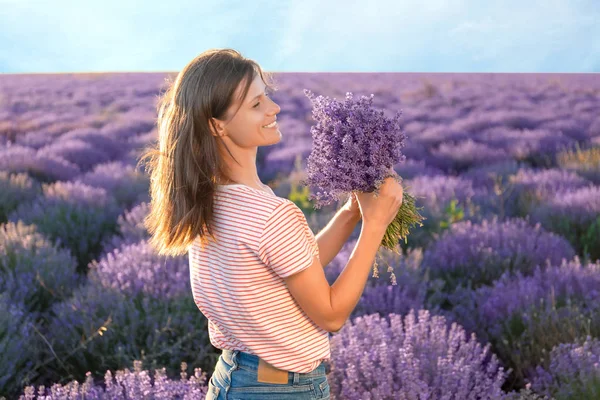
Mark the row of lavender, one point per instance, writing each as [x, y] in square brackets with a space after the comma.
[99, 298]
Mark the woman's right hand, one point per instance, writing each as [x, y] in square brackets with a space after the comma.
[380, 211]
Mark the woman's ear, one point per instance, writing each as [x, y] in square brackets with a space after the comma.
[216, 129]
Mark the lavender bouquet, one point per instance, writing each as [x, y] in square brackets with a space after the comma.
[354, 149]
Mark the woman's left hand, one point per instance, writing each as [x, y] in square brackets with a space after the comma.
[352, 206]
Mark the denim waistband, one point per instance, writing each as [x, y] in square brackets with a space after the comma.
[238, 357]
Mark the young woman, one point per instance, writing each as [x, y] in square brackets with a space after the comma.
[256, 267]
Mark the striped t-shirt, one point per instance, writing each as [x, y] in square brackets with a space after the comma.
[237, 281]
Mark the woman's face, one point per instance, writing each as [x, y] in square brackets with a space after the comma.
[247, 127]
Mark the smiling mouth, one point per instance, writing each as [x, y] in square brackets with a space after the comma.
[271, 125]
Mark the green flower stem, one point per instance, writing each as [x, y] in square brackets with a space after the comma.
[408, 216]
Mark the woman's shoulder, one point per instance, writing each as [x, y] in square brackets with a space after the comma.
[253, 199]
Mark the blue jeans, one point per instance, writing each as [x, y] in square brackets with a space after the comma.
[235, 378]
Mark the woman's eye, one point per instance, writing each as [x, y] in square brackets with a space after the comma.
[256, 105]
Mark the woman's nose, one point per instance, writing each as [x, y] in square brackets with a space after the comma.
[275, 109]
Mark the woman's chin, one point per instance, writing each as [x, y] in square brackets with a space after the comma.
[277, 136]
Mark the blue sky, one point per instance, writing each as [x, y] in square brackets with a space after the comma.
[302, 36]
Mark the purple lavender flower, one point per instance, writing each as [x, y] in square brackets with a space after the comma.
[478, 254]
[550, 142]
[571, 127]
[515, 293]
[573, 371]
[33, 271]
[410, 169]
[127, 128]
[408, 288]
[525, 394]
[49, 168]
[136, 269]
[36, 139]
[494, 195]
[16, 158]
[487, 176]
[136, 384]
[524, 316]
[414, 357]
[76, 151]
[355, 148]
[101, 328]
[127, 185]
[594, 127]
[76, 214]
[437, 191]
[137, 143]
[415, 150]
[534, 145]
[585, 162]
[515, 142]
[576, 216]
[462, 155]
[435, 195]
[130, 228]
[98, 139]
[583, 204]
[434, 135]
[530, 187]
[18, 342]
[16, 189]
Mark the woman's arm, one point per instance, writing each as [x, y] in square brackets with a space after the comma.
[335, 234]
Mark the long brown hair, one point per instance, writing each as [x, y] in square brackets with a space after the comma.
[184, 163]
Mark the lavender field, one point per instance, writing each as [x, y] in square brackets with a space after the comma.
[496, 296]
